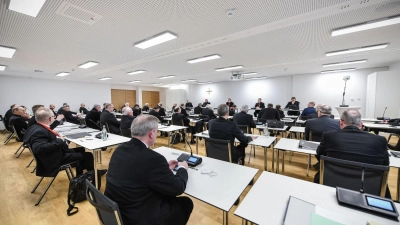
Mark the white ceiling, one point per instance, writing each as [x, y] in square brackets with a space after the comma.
[271, 37]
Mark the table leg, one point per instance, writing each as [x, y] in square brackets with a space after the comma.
[186, 136]
[95, 167]
[197, 145]
[398, 184]
[283, 162]
[273, 159]
[277, 161]
[225, 217]
[168, 133]
[309, 162]
[265, 159]
[244, 222]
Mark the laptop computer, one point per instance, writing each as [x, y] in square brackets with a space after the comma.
[308, 145]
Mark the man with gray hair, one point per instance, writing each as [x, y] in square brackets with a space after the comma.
[351, 143]
[223, 129]
[108, 117]
[127, 118]
[243, 118]
[321, 124]
[142, 182]
[208, 111]
[92, 119]
[315, 115]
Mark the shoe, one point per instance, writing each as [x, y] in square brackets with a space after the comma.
[316, 166]
[101, 172]
[104, 148]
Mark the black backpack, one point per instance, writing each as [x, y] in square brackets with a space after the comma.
[175, 138]
[77, 190]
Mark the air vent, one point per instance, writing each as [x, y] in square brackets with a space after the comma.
[77, 13]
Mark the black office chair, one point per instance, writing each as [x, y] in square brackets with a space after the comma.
[246, 130]
[105, 124]
[4, 123]
[126, 132]
[220, 149]
[315, 136]
[12, 133]
[107, 210]
[394, 147]
[68, 170]
[178, 123]
[20, 138]
[348, 174]
[33, 159]
[304, 117]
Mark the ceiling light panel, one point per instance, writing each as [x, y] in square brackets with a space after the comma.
[155, 40]
[204, 58]
[62, 74]
[190, 80]
[7, 52]
[361, 49]
[166, 77]
[88, 65]
[135, 81]
[255, 78]
[229, 68]
[367, 26]
[136, 72]
[2, 68]
[344, 63]
[105, 78]
[27, 7]
[335, 71]
[248, 74]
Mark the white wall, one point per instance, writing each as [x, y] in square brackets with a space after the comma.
[387, 94]
[395, 67]
[29, 92]
[371, 93]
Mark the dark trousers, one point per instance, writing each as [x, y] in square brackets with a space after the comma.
[256, 112]
[181, 208]
[84, 159]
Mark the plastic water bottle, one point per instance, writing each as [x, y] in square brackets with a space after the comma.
[104, 135]
[82, 113]
[266, 129]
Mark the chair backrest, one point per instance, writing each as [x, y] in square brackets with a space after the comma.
[218, 149]
[204, 117]
[177, 123]
[105, 124]
[273, 120]
[244, 128]
[348, 174]
[126, 132]
[17, 133]
[315, 136]
[304, 117]
[107, 210]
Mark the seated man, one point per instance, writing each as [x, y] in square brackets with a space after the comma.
[351, 143]
[229, 103]
[108, 117]
[309, 110]
[51, 150]
[32, 120]
[155, 112]
[198, 109]
[223, 129]
[162, 110]
[321, 124]
[136, 110]
[19, 120]
[281, 113]
[232, 110]
[70, 116]
[127, 118]
[8, 115]
[61, 109]
[183, 110]
[104, 107]
[269, 113]
[52, 108]
[125, 105]
[146, 107]
[92, 119]
[148, 195]
[205, 103]
[174, 106]
[259, 105]
[243, 118]
[188, 104]
[82, 109]
[315, 115]
[208, 111]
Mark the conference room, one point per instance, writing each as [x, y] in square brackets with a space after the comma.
[341, 54]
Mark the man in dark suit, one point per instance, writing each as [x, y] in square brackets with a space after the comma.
[205, 103]
[52, 108]
[259, 105]
[8, 115]
[32, 120]
[71, 117]
[142, 183]
[293, 105]
[208, 111]
[269, 113]
[351, 143]
[188, 104]
[108, 117]
[229, 103]
[136, 110]
[315, 115]
[309, 110]
[321, 124]
[127, 118]
[162, 110]
[223, 129]
[174, 106]
[198, 109]
[243, 118]
[155, 112]
[61, 109]
[183, 110]
[83, 109]
[51, 150]
[178, 118]
[93, 117]
[104, 107]
[19, 120]
[232, 110]
[146, 107]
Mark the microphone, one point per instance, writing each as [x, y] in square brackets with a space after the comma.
[383, 116]
[95, 124]
[362, 180]
[191, 159]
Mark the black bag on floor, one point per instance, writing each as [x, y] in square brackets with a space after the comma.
[77, 190]
[175, 138]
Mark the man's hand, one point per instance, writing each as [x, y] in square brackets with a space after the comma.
[26, 116]
[172, 164]
[184, 164]
[254, 137]
[60, 117]
[61, 138]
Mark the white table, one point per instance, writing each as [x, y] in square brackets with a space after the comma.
[395, 163]
[285, 144]
[262, 141]
[291, 117]
[381, 126]
[300, 130]
[283, 130]
[342, 109]
[95, 144]
[172, 128]
[220, 191]
[266, 201]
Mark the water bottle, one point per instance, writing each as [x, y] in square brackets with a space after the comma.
[266, 129]
[104, 135]
[82, 112]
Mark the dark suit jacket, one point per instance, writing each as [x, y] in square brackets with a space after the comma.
[70, 118]
[243, 118]
[32, 121]
[269, 114]
[205, 104]
[136, 112]
[60, 110]
[20, 125]
[226, 130]
[156, 114]
[93, 115]
[140, 182]
[126, 121]
[261, 105]
[229, 104]
[209, 113]
[162, 111]
[198, 110]
[281, 113]
[294, 106]
[320, 125]
[183, 112]
[47, 148]
[85, 111]
[308, 111]
[231, 112]
[113, 123]
[177, 118]
[189, 105]
[145, 108]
